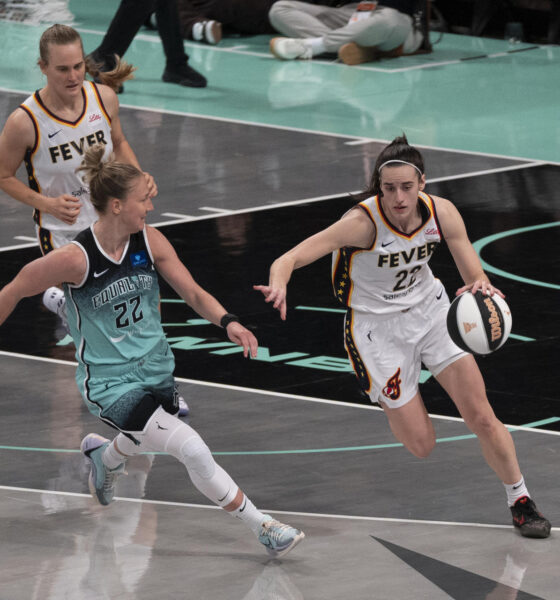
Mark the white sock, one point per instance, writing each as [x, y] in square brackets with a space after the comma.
[249, 514]
[317, 45]
[112, 458]
[516, 491]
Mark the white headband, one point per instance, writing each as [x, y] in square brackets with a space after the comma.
[402, 162]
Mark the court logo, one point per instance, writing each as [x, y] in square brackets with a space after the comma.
[392, 389]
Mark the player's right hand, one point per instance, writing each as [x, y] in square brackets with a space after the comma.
[65, 208]
[277, 295]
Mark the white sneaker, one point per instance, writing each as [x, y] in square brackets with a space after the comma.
[180, 402]
[55, 301]
[207, 31]
[290, 48]
[183, 407]
[278, 538]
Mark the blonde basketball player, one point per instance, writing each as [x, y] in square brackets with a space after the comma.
[397, 312]
[125, 365]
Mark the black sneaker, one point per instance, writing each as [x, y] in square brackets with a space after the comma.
[184, 75]
[529, 520]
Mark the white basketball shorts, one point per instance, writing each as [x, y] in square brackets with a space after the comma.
[387, 352]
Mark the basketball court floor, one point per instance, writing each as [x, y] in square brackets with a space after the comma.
[266, 155]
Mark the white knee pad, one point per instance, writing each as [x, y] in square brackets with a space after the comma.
[196, 456]
[166, 433]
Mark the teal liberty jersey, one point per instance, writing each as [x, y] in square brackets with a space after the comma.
[113, 313]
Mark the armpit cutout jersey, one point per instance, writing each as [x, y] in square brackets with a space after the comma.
[59, 149]
[393, 274]
[113, 314]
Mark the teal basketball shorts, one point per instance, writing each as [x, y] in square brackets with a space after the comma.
[126, 396]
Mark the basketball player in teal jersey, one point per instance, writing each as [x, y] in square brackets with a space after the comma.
[397, 312]
[125, 365]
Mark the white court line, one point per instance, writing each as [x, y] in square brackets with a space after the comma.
[344, 136]
[225, 211]
[486, 172]
[178, 216]
[19, 246]
[9, 488]
[180, 220]
[236, 388]
[25, 238]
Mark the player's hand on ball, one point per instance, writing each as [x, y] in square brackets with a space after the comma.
[483, 285]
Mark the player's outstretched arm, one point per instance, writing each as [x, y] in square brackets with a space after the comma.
[354, 229]
[66, 264]
[179, 278]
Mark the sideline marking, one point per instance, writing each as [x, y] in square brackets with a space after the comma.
[9, 488]
[455, 438]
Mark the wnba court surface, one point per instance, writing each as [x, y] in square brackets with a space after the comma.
[246, 168]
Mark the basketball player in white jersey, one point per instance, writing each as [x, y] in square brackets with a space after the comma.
[397, 312]
[50, 132]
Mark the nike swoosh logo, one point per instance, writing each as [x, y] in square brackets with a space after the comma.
[96, 274]
[116, 340]
[387, 243]
[439, 295]
[51, 135]
[516, 487]
[222, 499]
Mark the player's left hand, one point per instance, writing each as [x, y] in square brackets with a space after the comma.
[243, 337]
[483, 285]
[152, 187]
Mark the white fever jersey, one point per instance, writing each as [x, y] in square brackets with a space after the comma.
[113, 313]
[393, 274]
[59, 149]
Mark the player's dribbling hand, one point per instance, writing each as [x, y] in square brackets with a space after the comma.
[275, 295]
[65, 208]
[483, 285]
[243, 337]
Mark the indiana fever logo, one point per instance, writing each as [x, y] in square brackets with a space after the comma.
[393, 388]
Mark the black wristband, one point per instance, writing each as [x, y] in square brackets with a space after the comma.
[227, 319]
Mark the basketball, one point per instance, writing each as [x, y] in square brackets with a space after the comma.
[478, 323]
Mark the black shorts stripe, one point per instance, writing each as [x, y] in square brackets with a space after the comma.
[353, 354]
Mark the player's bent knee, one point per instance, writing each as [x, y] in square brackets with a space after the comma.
[198, 458]
[421, 448]
[483, 425]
